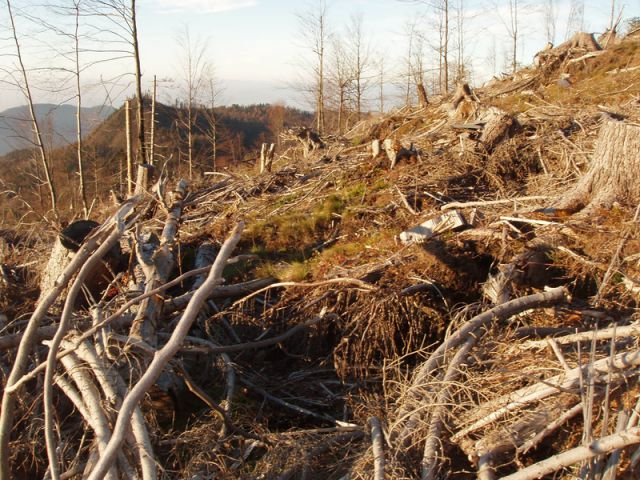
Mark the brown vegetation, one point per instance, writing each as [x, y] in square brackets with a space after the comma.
[479, 353]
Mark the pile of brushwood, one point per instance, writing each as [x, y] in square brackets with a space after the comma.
[445, 292]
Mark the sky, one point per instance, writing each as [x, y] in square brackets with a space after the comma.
[256, 49]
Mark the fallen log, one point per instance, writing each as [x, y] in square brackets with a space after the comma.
[598, 447]
[408, 418]
[566, 382]
[163, 356]
[157, 262]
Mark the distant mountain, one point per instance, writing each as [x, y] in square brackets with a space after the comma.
[57, 124]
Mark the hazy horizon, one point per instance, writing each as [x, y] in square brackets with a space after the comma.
[257, 53]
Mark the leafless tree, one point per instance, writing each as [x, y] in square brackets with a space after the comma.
[550, 12]
[460, 17]
[575, 21]
[213, 91]
[342, 76]
[511, 22]
[195, 70]
[381, 83]
[441, 18]
[122, 28]
[359, 57]
[314, 33]
[23, 83]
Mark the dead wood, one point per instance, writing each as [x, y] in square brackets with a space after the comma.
[309, 139]
[30, 333]
[163, 356]
[422, 95]
[266, 157]
[407, 418]
[377, 442]
[565, 382]
[157, 262]
[63, 326]
[462, 92]
[612, 173]
[498, 126]
[580, 43]
[597, 447]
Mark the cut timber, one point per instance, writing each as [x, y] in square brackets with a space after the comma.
[144, 178]
[266, 157]
[498, 126]
[422, 95]
[463, 103]
[448, 221]
[375, 148]
[613, 173]
[396, 152]
[157, 263]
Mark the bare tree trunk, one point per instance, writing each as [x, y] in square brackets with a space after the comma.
[142, 148]
[34, 121]
[445, 48]
[422, 95]
[127, 121]
[157, 266]
[613, 172]
[163, 356]
[266, 157]
[83, 191]
[152, 141]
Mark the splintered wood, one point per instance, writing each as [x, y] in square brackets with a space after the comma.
[448, 221]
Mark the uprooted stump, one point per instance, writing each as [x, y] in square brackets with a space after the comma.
[580, 42]
[498, 126]
[613, 173]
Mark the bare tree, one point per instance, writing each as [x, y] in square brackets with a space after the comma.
[511, 22]
[26, 90]
[512, 29]
[549, 12]
[213, 91]
[443, 10]
[441, 20]
[359, 58]
[195, 70]
[381, 84]
[575, 21]
[122, 27]
[460, 17]
[76, 38]
[314, 32]
[342, 76]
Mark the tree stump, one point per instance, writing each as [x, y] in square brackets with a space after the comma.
[423, 101]
[613, 173]
[266, 157]
[498, 126]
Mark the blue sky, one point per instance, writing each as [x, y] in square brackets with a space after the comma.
[255, 45]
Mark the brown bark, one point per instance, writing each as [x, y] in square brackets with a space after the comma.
[498, 127]
[422, 95]
[613, 173]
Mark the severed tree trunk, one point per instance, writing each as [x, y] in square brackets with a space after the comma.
[266, 157]
[498, 126]
[157, 263]
[613, 174]
[423, 101]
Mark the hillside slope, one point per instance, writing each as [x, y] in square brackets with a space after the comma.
[57, 122]
[507, 334]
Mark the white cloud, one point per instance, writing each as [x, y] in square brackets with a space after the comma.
[204, 6]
